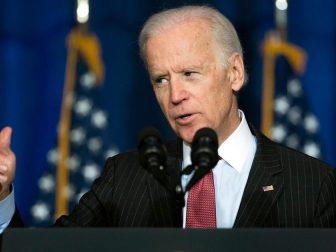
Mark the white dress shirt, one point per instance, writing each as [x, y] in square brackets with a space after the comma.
[7, 209]
[230, 173]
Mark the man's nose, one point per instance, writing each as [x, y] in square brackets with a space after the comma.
[178, 91]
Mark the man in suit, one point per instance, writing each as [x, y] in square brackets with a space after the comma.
[195, 63]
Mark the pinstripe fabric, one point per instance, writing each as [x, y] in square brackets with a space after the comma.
[126, 195]
[304, 192]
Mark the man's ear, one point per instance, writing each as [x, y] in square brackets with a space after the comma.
[236, 72]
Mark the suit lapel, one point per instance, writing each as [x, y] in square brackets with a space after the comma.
[166, 205]
[264, 185]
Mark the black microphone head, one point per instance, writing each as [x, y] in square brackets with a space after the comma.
[152, 153]
[148, 132]
[204, 149]
[208, 133]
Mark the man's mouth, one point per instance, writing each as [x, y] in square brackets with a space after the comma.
[184, 119]
[185, 116]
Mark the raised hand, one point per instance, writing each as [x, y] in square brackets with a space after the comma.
[7, 163]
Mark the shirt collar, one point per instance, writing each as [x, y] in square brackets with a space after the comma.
[234, 150]
[186, 154]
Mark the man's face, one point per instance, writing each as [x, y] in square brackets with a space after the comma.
[190, 83]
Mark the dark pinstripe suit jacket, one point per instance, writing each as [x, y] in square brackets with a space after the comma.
[126, 195]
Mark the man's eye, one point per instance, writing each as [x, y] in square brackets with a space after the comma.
[160, 81]
[189, 73]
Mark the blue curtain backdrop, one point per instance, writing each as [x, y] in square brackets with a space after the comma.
[32, 64]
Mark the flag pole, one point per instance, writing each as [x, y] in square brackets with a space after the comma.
[275, 44]
[81, 43]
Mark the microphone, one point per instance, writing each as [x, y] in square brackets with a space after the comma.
[204, 149]
[152, 153]
[204, 155]
[153, 156]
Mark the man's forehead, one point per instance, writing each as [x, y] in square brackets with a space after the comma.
[189, 21]
[180, 66]
[179, 39]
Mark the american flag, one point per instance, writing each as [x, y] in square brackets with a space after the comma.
[295, 125]
[89, 148]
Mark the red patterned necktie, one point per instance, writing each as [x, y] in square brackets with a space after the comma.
[201, 206]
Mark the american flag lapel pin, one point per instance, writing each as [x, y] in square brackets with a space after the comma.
[268, 188]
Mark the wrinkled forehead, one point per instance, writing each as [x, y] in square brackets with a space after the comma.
[187, 36]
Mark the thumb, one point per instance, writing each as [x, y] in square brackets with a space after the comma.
[5, 137]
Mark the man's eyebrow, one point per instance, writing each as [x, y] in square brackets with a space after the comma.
[157, 73]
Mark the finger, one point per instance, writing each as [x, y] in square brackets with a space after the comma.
[3, 169]
[6, 157]
[3, 179]
[5, 137]
[5, 152]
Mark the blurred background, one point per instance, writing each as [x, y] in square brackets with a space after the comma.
[41, 53]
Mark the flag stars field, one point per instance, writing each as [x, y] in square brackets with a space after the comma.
[90, 172]
[40, 211]
[295, 125]
[311, 123]
[293, 141]
[294, 115]
[279, 133]
[77, 135]
[99, 119]
[111, 152]
[95, 144]
[87, 80]
[83, 107]
[52, 156]
[74, 163]
[47, 183]
[294, 87]
[312, 149]
[281, 105]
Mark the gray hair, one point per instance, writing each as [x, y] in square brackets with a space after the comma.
[223, 30]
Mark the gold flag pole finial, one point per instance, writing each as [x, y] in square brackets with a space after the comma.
[80, 43]
[275, 44]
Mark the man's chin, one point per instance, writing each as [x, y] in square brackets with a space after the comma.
[187, 135]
